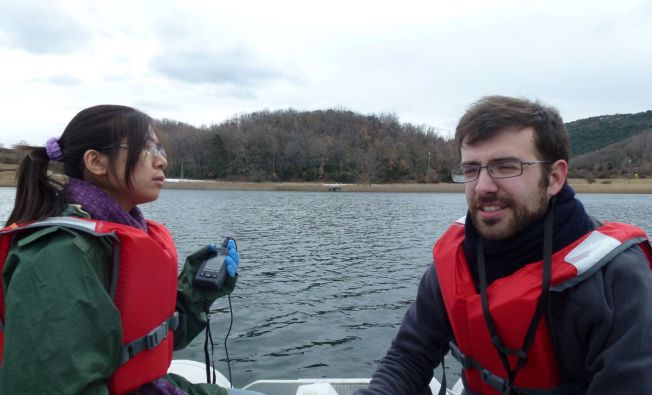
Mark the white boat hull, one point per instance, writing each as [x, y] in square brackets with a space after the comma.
[195, 372]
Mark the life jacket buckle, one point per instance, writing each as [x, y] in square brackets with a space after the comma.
[156, 336]
[494, 381]
[466, 362]
[152, 339]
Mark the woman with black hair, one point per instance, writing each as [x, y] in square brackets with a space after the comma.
[91, 300]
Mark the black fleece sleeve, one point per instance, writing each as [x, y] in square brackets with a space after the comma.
[408, 366]
[603, 328]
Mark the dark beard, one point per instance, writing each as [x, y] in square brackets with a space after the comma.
[522, 219]
[504, 257]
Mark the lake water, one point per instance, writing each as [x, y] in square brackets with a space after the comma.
[325, 278]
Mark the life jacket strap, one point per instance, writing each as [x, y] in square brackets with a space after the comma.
[466, 362]
[150, 340]
[500, 384]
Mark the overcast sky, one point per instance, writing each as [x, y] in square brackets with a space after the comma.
[202, 62]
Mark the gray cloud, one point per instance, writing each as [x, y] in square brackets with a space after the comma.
[42, 28]
[234, 67]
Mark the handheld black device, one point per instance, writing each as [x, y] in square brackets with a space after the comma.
[211, 274]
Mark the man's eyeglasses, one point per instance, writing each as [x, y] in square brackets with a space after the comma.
[506, 168]
[152, 149]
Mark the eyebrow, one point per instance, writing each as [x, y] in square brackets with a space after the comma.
[491, 161]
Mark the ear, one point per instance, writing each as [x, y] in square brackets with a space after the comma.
[96, 163]
[557, 177]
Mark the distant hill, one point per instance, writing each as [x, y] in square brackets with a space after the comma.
[630, 158]
[343, 146]
[594, 133]
[337, 145]
[8, 155]
[334, 145]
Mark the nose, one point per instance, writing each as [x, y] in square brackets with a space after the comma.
[485, 183]
[160, 162]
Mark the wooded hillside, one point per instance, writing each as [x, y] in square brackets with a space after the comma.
[343, 146]
[338, 145]
[594, 133]
[329, 145]
[630, 158]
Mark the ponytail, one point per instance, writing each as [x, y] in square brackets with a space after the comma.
[97, 128]
[37, 195]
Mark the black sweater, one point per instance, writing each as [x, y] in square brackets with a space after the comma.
[602, 329]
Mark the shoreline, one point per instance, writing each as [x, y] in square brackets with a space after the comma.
[606, 186]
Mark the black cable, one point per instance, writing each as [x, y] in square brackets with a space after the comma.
[226, 350]
[209, 334]
[210, 359]
[206, 336]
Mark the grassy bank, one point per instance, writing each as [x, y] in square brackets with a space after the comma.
[616, 185]
[312, 187]
[8, 177]
[580, 186]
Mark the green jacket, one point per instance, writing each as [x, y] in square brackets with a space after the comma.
[62, 331]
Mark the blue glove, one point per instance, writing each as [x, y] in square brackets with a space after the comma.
[231, 261]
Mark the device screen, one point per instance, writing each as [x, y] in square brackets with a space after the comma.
[215, 263]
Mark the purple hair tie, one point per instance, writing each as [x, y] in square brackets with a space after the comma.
[54, 150]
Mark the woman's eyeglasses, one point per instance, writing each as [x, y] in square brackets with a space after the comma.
[152, 150]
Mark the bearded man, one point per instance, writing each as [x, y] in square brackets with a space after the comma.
[527, 291]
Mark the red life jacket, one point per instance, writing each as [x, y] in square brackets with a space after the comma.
[512, 302]
[143, 288]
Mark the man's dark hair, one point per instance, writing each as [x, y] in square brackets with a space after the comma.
[493, 114]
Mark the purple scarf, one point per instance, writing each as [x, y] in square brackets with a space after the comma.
[160, 387]
[100, 205]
